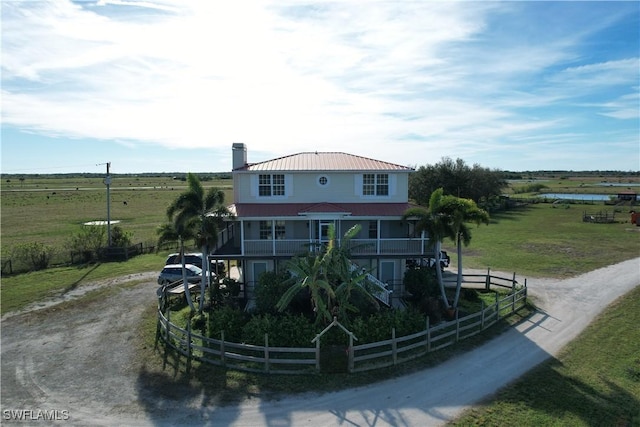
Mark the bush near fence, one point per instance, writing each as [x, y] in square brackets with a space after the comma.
[358, 357]
[10, 266]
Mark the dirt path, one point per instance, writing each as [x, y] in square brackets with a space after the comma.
[73, 362]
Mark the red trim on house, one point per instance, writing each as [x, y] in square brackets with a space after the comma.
[256, 210]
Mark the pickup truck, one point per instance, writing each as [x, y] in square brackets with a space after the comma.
[445, 260]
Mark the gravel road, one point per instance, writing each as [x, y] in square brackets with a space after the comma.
[71, 364]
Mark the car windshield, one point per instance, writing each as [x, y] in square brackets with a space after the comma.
[195, 270]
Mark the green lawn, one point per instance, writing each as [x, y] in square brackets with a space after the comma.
[20, 290]
[541, 240]
[595, 381]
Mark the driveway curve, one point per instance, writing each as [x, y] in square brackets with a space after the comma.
[76, 365]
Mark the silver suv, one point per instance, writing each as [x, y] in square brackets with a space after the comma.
[195, 258]
[173, 272]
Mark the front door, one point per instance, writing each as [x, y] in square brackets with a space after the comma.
[323, 230]
[387, 270]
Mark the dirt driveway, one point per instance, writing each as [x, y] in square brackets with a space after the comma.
[71, 365]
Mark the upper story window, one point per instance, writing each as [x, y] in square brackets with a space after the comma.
[267, 230]
[271, 185]
[375, 184]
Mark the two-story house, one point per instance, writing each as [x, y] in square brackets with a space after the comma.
[284, 207]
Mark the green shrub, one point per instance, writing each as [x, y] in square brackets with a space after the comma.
[88, 241]
[286, 330]
[227, 319]
[35, 256]
[198, 322]
[530, 188]
[421, 283]
[120, 238]
[377, 327]
[231, 286]
[269, 289]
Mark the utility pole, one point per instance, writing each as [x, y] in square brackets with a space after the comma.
[107, 182]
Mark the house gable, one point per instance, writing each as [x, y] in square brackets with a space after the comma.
[321, 177]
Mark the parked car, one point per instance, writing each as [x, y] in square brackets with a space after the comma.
[173, 272]
[195, 258]
[445, 260]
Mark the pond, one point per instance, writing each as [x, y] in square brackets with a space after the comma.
[569, 196]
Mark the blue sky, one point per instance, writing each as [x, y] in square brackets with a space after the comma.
[169, 85]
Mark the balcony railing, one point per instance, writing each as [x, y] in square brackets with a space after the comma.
[289, 247]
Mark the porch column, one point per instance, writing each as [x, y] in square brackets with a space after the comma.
[242, 237]
[273, 237]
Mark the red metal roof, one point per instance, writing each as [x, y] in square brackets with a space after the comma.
[324, 161]
[256, 210]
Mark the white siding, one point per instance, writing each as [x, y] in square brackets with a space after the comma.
[303, 187]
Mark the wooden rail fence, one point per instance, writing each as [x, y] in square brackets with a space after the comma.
[361, 357]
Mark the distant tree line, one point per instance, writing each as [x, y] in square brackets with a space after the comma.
[181, 176]
[456, 178]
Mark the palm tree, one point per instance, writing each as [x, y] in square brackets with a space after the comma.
[345, 276]
[176, 232]
[457, 212]
[307, 272]
[437, 227]
[330, 278]
[203, 213]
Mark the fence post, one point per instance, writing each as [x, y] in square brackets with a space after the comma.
[497, 307]
[158, 328]
[482, 315]
[168, 325]
[487, 282]
[394, 346]
[266, 352]
[222, 350]
[428, 336]
[167, 341]
[351, 353]
[457, 325]
[318, 353]
[189, 349]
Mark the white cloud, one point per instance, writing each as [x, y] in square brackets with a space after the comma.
[284, 77]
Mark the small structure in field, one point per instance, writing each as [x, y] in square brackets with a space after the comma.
[599, 217]
[627, 196]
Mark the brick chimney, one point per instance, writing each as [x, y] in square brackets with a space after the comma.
[239, 155]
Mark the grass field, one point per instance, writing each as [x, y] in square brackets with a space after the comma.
[595, 381]
[546, 240]
[49, 210]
